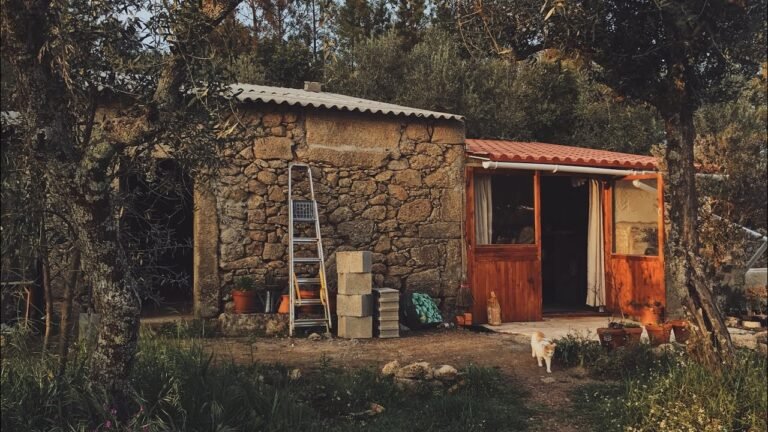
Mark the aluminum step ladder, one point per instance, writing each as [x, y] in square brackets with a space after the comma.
[309, 275]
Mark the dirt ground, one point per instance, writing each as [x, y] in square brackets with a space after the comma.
[460, 348]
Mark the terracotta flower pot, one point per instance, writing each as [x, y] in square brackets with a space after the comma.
[308, 295]
[611, 337]
[285, 304]
[467, 318]
[245, 301]
[633, 335]
[658, 333]
[681, 329]
[459, 320]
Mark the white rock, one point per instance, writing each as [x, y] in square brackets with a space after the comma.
[390, 368]
[294, 374]
[548, 380]
[420, 370]
[314, 337]
[446, 373]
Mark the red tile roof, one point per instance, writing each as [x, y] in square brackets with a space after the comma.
[536, 152]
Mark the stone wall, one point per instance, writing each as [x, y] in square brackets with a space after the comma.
[389, 184]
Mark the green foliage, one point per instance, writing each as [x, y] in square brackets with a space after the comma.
[684, 397]
[178, 385]
[184, 329]
[576, 350]
[245, 283]
[628, 361]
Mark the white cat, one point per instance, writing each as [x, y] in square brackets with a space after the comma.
[542, 348]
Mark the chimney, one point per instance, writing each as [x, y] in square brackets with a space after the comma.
[312, 86]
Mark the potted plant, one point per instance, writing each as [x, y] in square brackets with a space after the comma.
[681, 330]
[244, 295]
[633, 331]
[612, 336]
[658, 333]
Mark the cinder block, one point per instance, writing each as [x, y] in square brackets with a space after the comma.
[353, 262]
[355, 283]
[355, 327]
[354, 305]
[389, 325]
[389, 315]
[383, 334]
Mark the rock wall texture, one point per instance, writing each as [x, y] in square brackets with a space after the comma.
[391, 185]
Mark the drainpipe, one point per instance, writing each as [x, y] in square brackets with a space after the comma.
[562, 168]
[640, 185]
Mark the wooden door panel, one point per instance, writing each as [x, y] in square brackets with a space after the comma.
[633, 281]
[516, 284]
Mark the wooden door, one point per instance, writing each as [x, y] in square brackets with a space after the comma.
[634, 278]
[512, 271]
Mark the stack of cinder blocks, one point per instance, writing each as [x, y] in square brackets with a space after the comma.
[354, 303]
[386, 320]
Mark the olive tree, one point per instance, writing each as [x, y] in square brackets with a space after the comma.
[100, 86]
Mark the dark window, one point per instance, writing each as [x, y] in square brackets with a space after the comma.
[512, 220]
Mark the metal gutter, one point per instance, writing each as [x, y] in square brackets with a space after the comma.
[562, 168]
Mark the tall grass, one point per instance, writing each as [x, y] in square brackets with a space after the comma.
[671, 392]
[177, 385]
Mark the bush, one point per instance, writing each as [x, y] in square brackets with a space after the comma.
[177, 385]
[576, 350]
[685, 396]
[624, 362]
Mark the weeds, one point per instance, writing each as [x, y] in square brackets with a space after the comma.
[667, 391]
[177, 385]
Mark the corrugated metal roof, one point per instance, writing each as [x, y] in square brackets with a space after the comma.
[296, 97]
[536, 152]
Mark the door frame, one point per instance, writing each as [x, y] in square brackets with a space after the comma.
[642, 275]
[503, 253]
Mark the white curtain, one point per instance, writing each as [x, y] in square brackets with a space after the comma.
[595, 248]
[483, 210]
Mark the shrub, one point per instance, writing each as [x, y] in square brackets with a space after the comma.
[576, 350]
[178, 385]
[686, 396]
[623, 362]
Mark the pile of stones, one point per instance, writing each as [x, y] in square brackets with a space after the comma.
[420, 375]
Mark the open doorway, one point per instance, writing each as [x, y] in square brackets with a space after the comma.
[161, 237]
[564, 225]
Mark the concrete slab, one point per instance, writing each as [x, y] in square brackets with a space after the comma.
[554, 328]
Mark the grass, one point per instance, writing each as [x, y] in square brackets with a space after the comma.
[648, 392]
[177, 385]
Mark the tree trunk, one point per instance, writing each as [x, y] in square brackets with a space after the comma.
[66, 311]
[46, 282]
[685, 287]
[115, 297]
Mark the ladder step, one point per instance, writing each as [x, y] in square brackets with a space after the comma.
[306, 259]
[308, 281]
[302, 219]
[308, 302]
[305, 239]
[309, 322]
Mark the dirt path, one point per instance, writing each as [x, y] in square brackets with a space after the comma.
[460, 348]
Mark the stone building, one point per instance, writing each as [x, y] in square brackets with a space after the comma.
[388, 179]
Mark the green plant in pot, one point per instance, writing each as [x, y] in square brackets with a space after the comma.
[612, 336]
[244, 295]
[632, 331]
